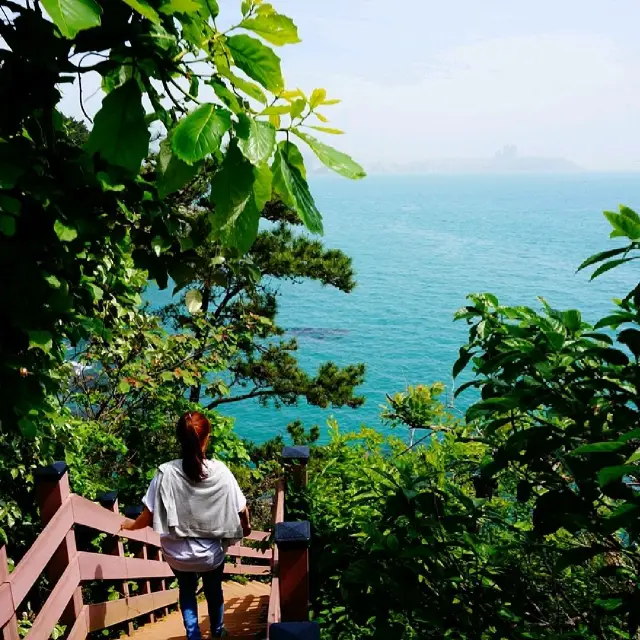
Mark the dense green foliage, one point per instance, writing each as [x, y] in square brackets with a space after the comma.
[521, 521]
[86, 217]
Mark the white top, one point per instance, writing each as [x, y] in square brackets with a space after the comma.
[192, 554]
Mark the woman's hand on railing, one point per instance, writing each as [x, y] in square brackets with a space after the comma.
[145, 519]
[245, 522]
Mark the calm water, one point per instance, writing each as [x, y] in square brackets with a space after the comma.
[419, 245]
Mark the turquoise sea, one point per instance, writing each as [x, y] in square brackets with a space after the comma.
[419, 245]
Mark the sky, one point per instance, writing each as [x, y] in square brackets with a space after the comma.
[422, 80]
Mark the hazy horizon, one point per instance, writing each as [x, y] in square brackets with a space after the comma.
[422, 81]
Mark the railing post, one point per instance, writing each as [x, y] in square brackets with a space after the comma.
[52, 490]
[292, 539]
[294, 631]
[10, 629]
[115, 546]
[133, 513]
[298, 456]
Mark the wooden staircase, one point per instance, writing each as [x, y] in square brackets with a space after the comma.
[254, 609]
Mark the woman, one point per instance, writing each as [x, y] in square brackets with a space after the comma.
[197, 507]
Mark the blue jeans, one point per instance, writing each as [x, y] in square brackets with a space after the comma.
[188, 585]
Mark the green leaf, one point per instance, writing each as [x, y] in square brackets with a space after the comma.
[180, 6]
[297, 107]
[40, 340]
[273, 27]
[258, 146]
[200, 133]
[289, 182]
[613, 474]
[124, 386]
[335, 160]
[64, 232]
[599, 447]
[172, 172]
[607, 266]
[7, 225]
[252, 90]
[120, 133]
[331, 130]
[239, 192]
[609, 604]
[28, 428]
[603, 255]
[572, 319]
[72, 16]
[226, 95]
[231, 187]
[462, 361]
[258, 61]
[10, 205]
[579, 555]
[193, 300]
[276, 110]
[625, 224]
[631, 338]
[262, 187]
[145, 9]
[317, 98]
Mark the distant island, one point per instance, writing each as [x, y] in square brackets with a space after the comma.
[506, 160]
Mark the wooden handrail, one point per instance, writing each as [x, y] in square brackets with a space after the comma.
[273, 614]
[62, 510]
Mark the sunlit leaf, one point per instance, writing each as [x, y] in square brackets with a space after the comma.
[332, 158]
[317, 97]
[273, 27]
[180, 6]
[336, 132]
[145, 9]
[64, 232]
[193, 300]
[72, 16]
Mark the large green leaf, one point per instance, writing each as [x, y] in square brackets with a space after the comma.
[273, 27]
[144, 9]
[226, 95]
[200, 133]
[258, 61]
[252, 90]
[180, 6]
[231, 187]
[7, 225]
[262, 188]
[292, 187]
[172, 172]
[71, 16]
[258, 145]
[120, 133]
[332, 158]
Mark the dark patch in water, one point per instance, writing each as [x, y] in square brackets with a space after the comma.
[317, 333]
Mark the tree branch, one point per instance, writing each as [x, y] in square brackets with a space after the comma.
[256, 393]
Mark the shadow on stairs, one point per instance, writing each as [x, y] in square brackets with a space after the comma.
[245, 616]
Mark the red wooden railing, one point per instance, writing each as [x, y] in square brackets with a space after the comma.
[55, 553]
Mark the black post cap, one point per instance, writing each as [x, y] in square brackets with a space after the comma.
[293, 535]
[108, 499]
[52, 473]
[294, 631]
[133, 512]
[299, 453]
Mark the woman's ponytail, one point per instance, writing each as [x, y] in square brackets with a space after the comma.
[192, 432]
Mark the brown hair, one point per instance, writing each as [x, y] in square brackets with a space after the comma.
[192, 431]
